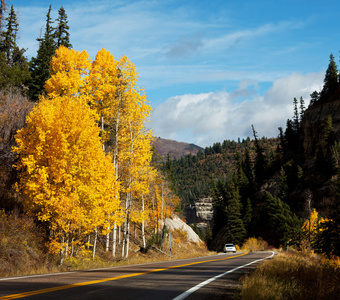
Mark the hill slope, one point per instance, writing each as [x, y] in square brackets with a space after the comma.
[174, 148]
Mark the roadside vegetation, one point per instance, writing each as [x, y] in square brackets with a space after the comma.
[23, 249]
[293, 276]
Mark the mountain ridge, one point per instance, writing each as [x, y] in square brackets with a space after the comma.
[174, 148]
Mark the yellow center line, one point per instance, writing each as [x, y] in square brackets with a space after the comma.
[69, 286]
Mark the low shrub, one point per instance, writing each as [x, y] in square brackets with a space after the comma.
[254, 244]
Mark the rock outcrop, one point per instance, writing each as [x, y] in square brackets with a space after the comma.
[313, 124]
[177, 223]
[200, 212]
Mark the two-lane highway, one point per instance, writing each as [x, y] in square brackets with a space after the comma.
[198, 278]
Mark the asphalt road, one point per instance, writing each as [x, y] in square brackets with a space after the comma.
[210, 277]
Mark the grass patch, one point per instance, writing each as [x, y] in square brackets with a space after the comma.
[293, 276]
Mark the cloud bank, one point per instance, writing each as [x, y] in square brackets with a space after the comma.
[207, 118]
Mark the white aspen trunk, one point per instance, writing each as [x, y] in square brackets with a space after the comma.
[62, 251]
[107, 239]
[162, 207]
[127, 240]
[126, 227]
[114, 237]
[94, 244]
[115, 152]
[66, 247]
[143, 221]
[119, 235]
[162, 220]
[72, 247]
[88, 242]
[67, 239]
[102, 131]
[124, 237]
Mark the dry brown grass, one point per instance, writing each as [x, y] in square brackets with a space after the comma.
[22, 250]
[293, 276]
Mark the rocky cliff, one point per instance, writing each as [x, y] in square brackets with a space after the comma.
[314, 121]
[200, 212]
[320, 186]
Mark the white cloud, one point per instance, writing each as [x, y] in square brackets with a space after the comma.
[207, 118]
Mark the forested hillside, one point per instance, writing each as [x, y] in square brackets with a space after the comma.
[193, 175]
[274, 188]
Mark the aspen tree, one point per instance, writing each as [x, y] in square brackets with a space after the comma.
[69, 73]
[66, 178]
[109, 86]
[124, 110]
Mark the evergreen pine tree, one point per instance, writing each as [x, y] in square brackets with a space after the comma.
[302, 108]
[247, 214]
[315, 96]
[286, 225]
[248, 167]
[260, 161]
[236, 231]
[328, 238]
[9, 36]
[3, 7]
[14, 68]
[296, 116]
[62, 35]
[39, 66]
[331, 77]
[330, 139]
[219, 196]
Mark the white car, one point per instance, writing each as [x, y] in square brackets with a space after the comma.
[229, 248]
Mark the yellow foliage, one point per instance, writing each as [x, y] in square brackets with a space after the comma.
[254, 244]
[65, 176]
[67, 179]
[311, 228]
[69, 71]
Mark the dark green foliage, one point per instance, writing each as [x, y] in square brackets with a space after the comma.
[8, 40]
[302, 108]
[13, 65]
[296, 119]
[39, 66]
[328, 239]
[247, 214]
[62, 36]
[228, 213]
[260, 166]
[331, 78]
[286, 224]
[315, 96]
[325, 156]
[236, 232]
[52, 39]
[3, 6]
[170, 174]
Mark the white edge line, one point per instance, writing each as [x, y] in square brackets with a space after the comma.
[195, 288]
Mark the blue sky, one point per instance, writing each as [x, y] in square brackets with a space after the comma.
[210, 69]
